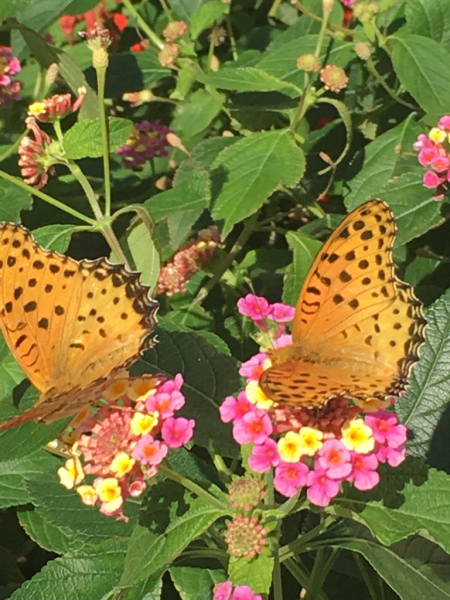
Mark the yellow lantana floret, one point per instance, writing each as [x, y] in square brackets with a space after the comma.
[256, 395]
[437, 135]
[310, 440]
[114, 391]
[373, 404]
[71, 474]
[87, 494]
[358, 436]
[142, 423]
[37, 108]
[122, 464]
[289, 447]
[143, 387]
[109, 493]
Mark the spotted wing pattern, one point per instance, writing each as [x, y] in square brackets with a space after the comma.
[69, 324]
[358, 328]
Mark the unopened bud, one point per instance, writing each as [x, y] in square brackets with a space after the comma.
[362, 50]
[308, 63]
[52, 74]
[327, 5]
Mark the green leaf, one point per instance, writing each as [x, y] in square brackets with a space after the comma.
[209, 377]
[304, 250]
[11, 373]
[251, 170]
[13, 199]
[415, 209]
[185, 9]
[49, 536]
[9, 9]
[173, 518]
[196, 115]
[410, 499]
[427, 398]
[191, 191]
[192, 582]
[413, 568]
[245, 79]
[145, 256]
[257, 572]
[383, 163]
[429, 19]
[55, 237]
[92, 573]
[85, 139]
[208, 13]
[418, 61]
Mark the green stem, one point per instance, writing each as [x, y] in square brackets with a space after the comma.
[58, 131]
[231, 37]
[90, 194]
[143, 25]
[249, 226]
[101, 75]
[300, 545]
[274, 8]
[47, 198]
[113, 242]
[365, 576]
[212, 45]
[166, 9]
[196, 489]
[382, 82]
[277, 581]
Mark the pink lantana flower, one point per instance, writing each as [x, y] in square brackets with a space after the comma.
[232, 409]
[386, 429]
[281, 313]
[254, 367]
[177, 432]
[364, 474]
[440, 163]
[222, 591]
[427, 154]
[334, 459]
[393, 456]
[167, 399]
[255, 307]
[444, 122]
[321, 488]
[149, 451]
[244, 592]
[290, 477]
[264, 456]
[432, 180]
[255, 426]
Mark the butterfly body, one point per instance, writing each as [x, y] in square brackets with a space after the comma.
[70, 324]
[358, 328]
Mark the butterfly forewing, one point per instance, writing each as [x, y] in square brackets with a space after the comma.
[68, 323]
[354, 317]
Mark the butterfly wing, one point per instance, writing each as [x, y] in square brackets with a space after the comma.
[69, 324]
[353, 313]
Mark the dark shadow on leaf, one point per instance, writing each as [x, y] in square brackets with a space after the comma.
[161, 504]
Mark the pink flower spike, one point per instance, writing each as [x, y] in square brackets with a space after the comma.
[364, 475]
[444, 122]
[222, 591]
[289, 477]
[149, 451]
[440, 163]
[432, 180]
[177, 432]
[321, 489]
[386, 428]
[244, 592]
[426, 155]
[255, 426]
[393, 456]
[334, 459]
[281, 313]
[255, 307]
[264, 456]
[253, 368]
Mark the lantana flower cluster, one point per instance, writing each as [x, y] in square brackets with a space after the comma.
[125, 441]
[9, 66]
[434, 154]
[146, 141]
[316, 449]
[176, 272]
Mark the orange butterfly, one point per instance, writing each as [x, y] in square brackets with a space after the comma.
[358, 328]
[69, 324]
